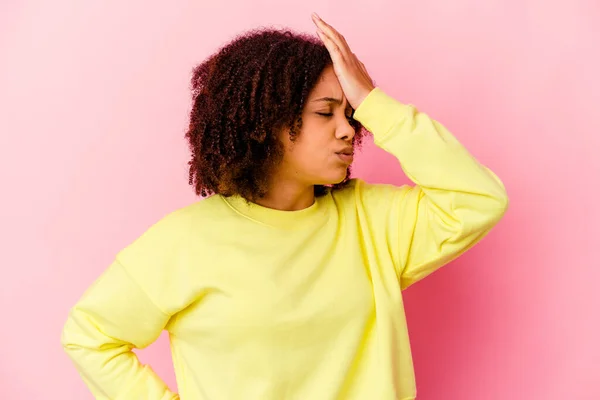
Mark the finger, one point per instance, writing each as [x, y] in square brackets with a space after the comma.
[333, 34]
[339, 42]
[325, 27]
[365, 72]
[362, 66]
[331, 46]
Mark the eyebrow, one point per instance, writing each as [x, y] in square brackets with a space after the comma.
[332, 100]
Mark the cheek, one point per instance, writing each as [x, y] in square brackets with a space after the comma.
[313, 145]
[308, 154]
[317, 148]
[316, 136]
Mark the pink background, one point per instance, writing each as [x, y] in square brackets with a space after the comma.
[94, 106]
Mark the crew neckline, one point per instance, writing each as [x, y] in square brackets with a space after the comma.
[308, 216]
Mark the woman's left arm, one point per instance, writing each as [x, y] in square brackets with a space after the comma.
[454, 203]
[456, 200]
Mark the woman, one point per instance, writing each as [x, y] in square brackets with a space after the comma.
[286, 282]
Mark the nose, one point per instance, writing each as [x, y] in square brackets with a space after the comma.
[345, 131]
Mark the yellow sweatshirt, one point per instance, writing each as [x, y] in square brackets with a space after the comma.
[265, 304]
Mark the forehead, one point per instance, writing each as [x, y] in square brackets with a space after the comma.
[327, 86]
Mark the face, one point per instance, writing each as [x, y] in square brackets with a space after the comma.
[322, 150]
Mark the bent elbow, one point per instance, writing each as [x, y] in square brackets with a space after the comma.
[77, 335]
[68, 338]
[502, 204]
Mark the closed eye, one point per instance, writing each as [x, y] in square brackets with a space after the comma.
[350, 117]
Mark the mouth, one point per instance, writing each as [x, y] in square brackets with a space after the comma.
[346, 155]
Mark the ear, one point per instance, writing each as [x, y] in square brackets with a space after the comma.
[286, 139]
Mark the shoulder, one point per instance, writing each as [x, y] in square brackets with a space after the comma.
[189, 217]
[181, 220]
[174, 230]
[358, 189]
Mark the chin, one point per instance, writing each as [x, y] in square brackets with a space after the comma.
[335, 177]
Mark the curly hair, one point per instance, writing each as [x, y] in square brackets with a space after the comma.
[242, 96]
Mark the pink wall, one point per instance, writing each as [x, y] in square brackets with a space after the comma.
[93, 106]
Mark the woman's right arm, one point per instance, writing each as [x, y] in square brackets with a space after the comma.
[128, 307]
[114, 316]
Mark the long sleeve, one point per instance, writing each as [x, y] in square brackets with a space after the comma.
[114, 316]
[454, 203]
[128, 307]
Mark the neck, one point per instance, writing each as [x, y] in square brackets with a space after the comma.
[288, 196]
